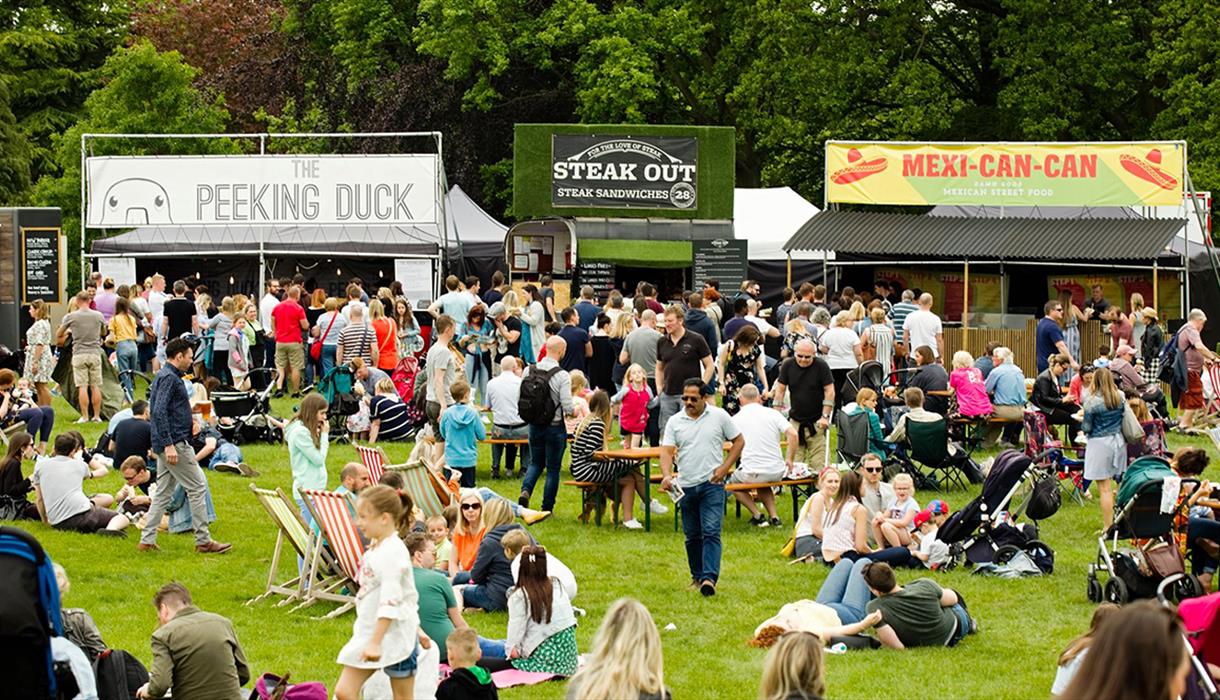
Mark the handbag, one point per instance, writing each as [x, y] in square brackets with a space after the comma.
[1133, 432]
[315, 350]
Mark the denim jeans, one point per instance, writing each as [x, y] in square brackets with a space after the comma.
[547, 444]
[328, 359]
[668, 406]
[128, 355]
[39, 421]
[498, 450]
[702, 515]
[895, 557]
[963, 624]
[475, 596]
[492, 648]
[845, 591]
[488, 495]
[225, 452]
[477, 373]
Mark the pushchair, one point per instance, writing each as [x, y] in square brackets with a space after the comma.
[1045, 449]
[870, 374]
[338, 387]
[245, 416]
[984, 531]
[1152, 554]
[1202, 637]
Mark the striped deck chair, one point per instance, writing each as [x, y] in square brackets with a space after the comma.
[291, 528]
[428, 494]
[337, 530]
[375, 460]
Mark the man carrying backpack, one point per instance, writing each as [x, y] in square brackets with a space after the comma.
[546, 397]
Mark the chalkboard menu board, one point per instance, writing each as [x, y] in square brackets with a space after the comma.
[719, 259]
[599, 276]
[41, 263]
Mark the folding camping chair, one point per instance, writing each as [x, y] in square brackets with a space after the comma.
[291, 528]
[1047, 452]
[375, 460]
[929, 448]
[329, 511]
[427, 491]
[852, 440]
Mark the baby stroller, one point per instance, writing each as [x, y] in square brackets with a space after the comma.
[338, 387]
[870, 374]
[1202, 638]
[245, 416]
[1152, 554]
[984, 530]
[1043, 446]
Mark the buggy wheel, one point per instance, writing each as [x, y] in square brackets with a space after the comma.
[1005, 554]
[1187, 587]
[1094, 590]
[1116, 591]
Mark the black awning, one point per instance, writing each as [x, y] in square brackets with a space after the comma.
[869, 233]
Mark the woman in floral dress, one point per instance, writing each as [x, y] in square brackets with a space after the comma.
[39, 360]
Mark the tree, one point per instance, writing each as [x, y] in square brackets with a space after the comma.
[144, 91]
[50, 51]
[14, 153]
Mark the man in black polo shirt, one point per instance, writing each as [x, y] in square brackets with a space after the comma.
[680, 356]
[809, 379]
[133, 436]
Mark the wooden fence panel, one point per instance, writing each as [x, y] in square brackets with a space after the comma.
[1020, 341]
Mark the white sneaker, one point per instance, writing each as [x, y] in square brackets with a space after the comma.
[658, 508]
[82, 420]
[633, 524]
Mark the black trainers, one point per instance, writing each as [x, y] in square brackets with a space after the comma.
[759, 521]
[524, 500]
[776, 522]
[708, 588]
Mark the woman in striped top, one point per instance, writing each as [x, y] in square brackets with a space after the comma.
[590, 436]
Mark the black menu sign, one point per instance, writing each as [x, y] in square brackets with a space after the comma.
[41, 264]
[599, 276]
[719, 259]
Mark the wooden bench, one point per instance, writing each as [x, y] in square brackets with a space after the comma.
[796, 486]
[593, 497]
[506, 441]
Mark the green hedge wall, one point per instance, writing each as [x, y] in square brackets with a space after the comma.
[532, 170]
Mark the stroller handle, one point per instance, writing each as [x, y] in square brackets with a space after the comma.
[1166, 583]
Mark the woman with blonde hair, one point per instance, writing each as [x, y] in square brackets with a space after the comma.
[221, 324]
[1106, 456]
[468, 532]
[626, 661]
[1138, 324]
[877, 341]
[620, 327]
[491, 575]
[307, 437]
[794, 669]
[386, 354]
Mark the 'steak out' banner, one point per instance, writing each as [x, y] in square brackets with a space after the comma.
[1012, 174]
[654, 172]
[299, 189]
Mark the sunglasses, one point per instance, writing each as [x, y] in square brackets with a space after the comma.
[804, 357]
[689, 399]
[471, 506]
[873, 470]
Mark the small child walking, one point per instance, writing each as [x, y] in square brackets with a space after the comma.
[461, 429]
[386, 633]
[893, 526]
[633, 416]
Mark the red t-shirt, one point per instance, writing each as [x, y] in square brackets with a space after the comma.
[287, 316]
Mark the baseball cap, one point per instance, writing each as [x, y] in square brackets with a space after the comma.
[922, 517]
[937, 507]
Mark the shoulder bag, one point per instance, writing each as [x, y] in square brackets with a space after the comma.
[315, 350]
[1133, 432]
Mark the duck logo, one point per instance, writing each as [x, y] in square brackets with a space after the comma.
[858, 168]
[136, 201]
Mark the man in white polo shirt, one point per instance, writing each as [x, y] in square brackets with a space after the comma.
[761, 462]
[695, 438]
[923, 327]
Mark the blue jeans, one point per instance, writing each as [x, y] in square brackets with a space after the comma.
[668, 406]
[492, 648]
[497, 450]
[128, 355]
[963, 624]
[547, 444]
[225, 452]
[475, 596]
[702, 515]
[487, 495]
[328, 359]
[145, 352]
[845, 591]
[477, 373]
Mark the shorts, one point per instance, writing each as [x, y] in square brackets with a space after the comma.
[92, 520]
[405, 668]
[624, 430]
[290, 355]
[87, 369]
[1191, 399]
[741, 476]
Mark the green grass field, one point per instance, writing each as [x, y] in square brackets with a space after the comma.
[1024, 623]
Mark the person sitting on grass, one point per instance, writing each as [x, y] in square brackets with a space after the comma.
[14, 489]
[516, 540]
[439, 612]
[1137, 654]
[195, 653]
[918, 614]
[462, 429]
[466, 536]
[794, 669]
[492, 574]
[894, 525]
[62, 503]
[541, 623]
[467, 680]
[807, 537]
[845, 525]
[79, 627]
[1073, 655]
[925, 547]
[626, 659]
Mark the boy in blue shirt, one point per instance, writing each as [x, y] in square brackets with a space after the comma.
[461, 429]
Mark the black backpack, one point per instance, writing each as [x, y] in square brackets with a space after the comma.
[1045, 499]
[119, 675]
[536, 405]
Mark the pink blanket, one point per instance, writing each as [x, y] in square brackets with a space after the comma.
[512, 677]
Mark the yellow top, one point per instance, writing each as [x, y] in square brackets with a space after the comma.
[123, 327]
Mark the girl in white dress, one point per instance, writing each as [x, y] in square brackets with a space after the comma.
[387, 606]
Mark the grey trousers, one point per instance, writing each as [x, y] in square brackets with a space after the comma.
[187, 473]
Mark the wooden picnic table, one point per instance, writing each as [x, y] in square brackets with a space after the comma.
[639, 454]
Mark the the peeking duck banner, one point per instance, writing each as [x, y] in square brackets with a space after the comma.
[1011, 174]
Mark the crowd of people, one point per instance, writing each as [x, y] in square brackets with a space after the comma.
[730, 392]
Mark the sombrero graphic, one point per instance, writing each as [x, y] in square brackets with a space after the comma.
[859, 168]
[1145, 170]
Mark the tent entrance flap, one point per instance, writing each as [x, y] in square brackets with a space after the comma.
[638, 253]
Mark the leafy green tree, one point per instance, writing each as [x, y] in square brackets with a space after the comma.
[14, 153]
[144, 91]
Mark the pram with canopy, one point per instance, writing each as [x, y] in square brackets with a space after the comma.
[245, 416]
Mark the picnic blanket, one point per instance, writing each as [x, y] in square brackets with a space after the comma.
[512, 677]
